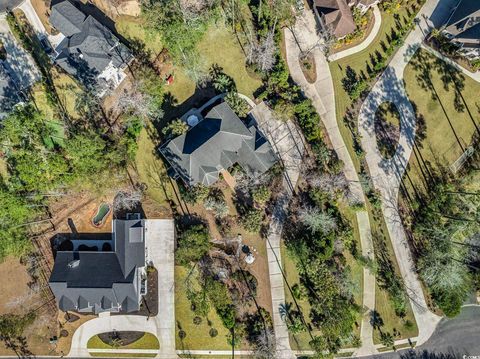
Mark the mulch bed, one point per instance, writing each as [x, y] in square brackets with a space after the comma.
[125, 337]
[149, 306]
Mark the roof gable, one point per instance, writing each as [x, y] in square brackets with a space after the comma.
[215, 143]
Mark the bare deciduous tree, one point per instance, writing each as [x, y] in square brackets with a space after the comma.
[138, 102]
[329, 183]
[265, 347]
[127, 200]
[317, 221]
[262, 53]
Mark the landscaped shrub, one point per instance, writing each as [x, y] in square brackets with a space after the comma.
[252, 220]
[261, 194]
[218, 205]
[213, 332]
[194, 194]
[175, 128]
[238, 104]
[298, 291]
[197, 320]
[218, 294]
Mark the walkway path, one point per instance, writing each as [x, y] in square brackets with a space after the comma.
[387, 174]
[321, 93]
[36, 23]
[288, 145]
[160, 252]
[365, 43]
[473, 75]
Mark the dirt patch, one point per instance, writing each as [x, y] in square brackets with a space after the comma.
[308, 67]
[74, 212]
[13, 290]
[118, 8]
[256, 244]
[20, 296]
[64, 342]
[42, 8]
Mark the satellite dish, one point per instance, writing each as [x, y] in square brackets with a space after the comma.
[192, 120]
[249, 259]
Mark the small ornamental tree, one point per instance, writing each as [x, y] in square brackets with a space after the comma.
[237, 104]
[193, 244]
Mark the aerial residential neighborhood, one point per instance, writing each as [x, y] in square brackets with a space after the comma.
[240, 179]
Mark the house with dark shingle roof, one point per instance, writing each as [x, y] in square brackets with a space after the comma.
[93, 281]
[335, 16]
[463, 28]
[9, 92]
[89, 51]
[216, 143]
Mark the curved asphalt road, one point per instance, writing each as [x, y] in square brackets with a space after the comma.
[453, 337]
[8, 4]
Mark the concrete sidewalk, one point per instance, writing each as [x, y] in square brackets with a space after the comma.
[288, 145]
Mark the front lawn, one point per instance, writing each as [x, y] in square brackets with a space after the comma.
[196, 336]
[384, 306]
[446, 114]
[360, 62]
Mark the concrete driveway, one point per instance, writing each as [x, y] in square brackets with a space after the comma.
[19, 63]
[387, 173]
[160, 252]
[457, 337]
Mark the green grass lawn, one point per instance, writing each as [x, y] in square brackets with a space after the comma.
[440, 143]
[359, 62]
[219, 46]
[197, 336]
[383, 303]
[131, 28]
[151, 170]
[147, 341]
[68, 90]
[301, 341]
[122, 355]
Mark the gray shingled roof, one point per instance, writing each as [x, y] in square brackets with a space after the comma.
[8, 92]
[88, 47]
[464, 23]
[215, 143]
[101, 279]
[67, 18]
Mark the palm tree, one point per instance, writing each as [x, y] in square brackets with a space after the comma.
[222, 83]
